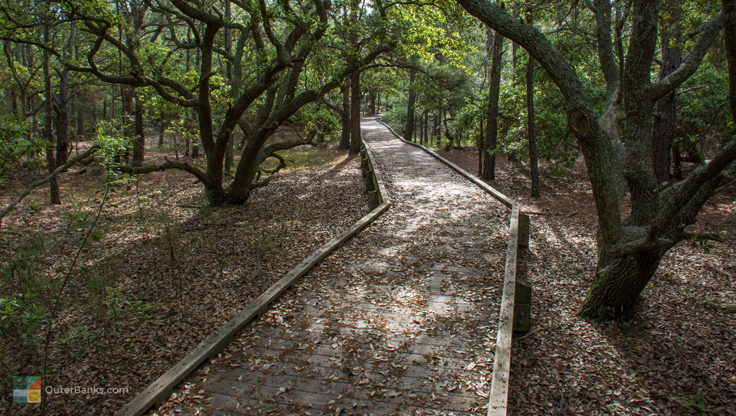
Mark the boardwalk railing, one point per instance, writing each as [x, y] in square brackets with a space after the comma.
[511, 317]
[159, 390]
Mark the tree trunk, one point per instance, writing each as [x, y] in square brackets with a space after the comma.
[80, 116]
[54, 197]
[618, 283]
[129, 116]
[450, 136]
[230, 151]
[355, 112]
[345, 116]
[139, 137]
[62, 118]
[491, 140]
[195, 146]
[425, 128]
[411, 103]
[666, 109]
[372, 103]
[162, 127]
[481, 136]
[729, 35]
[530, 128]
[440, 116]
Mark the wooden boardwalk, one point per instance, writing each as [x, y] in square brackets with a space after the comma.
[400, 320]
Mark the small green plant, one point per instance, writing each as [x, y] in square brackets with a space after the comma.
[698, 402]
[265, 245]
[117, 305]
[22, 320]
[703, 242]
[78, 341]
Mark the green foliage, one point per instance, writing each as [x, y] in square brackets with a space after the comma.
[23, 314]
[698, 402]
[17, 145]
[117, 305]
[265, 244]
[22, 320]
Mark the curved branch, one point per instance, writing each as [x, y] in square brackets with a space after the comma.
[169, 164]
[691, 62]
[602, 9]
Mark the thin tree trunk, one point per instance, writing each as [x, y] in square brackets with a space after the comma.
[480, 145]
[439, 126]
[129, 116]
[530, 128]
[230, 151]
[139, 140]
[79, 105]
[80, 116]
[490, 142]
[345, 116]
[410, 107]
[62, 104]
[666, 109]
[729, 35]
[112, 101]
[355, 112]
[194, 120]
[162, 127]
[54, 196]
[62, 118]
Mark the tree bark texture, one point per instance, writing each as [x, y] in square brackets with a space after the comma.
[666, 109]
[355, 112]
[139, 137]
[54, 196]
[410, 106]
[345, 116]
[530, 128]
[494, 89]
[729, 25]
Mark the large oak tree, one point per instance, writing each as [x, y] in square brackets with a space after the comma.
[617, 146]
[277, 55]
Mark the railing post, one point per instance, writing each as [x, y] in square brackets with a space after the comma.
[522, 306]
[524, 230]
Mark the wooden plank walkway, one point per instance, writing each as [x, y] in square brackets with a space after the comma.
[400, 320]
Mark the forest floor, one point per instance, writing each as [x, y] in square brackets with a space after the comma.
[677, 358]
[399, 320]
[160, 272]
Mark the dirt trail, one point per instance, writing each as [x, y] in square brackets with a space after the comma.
[400, 320]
